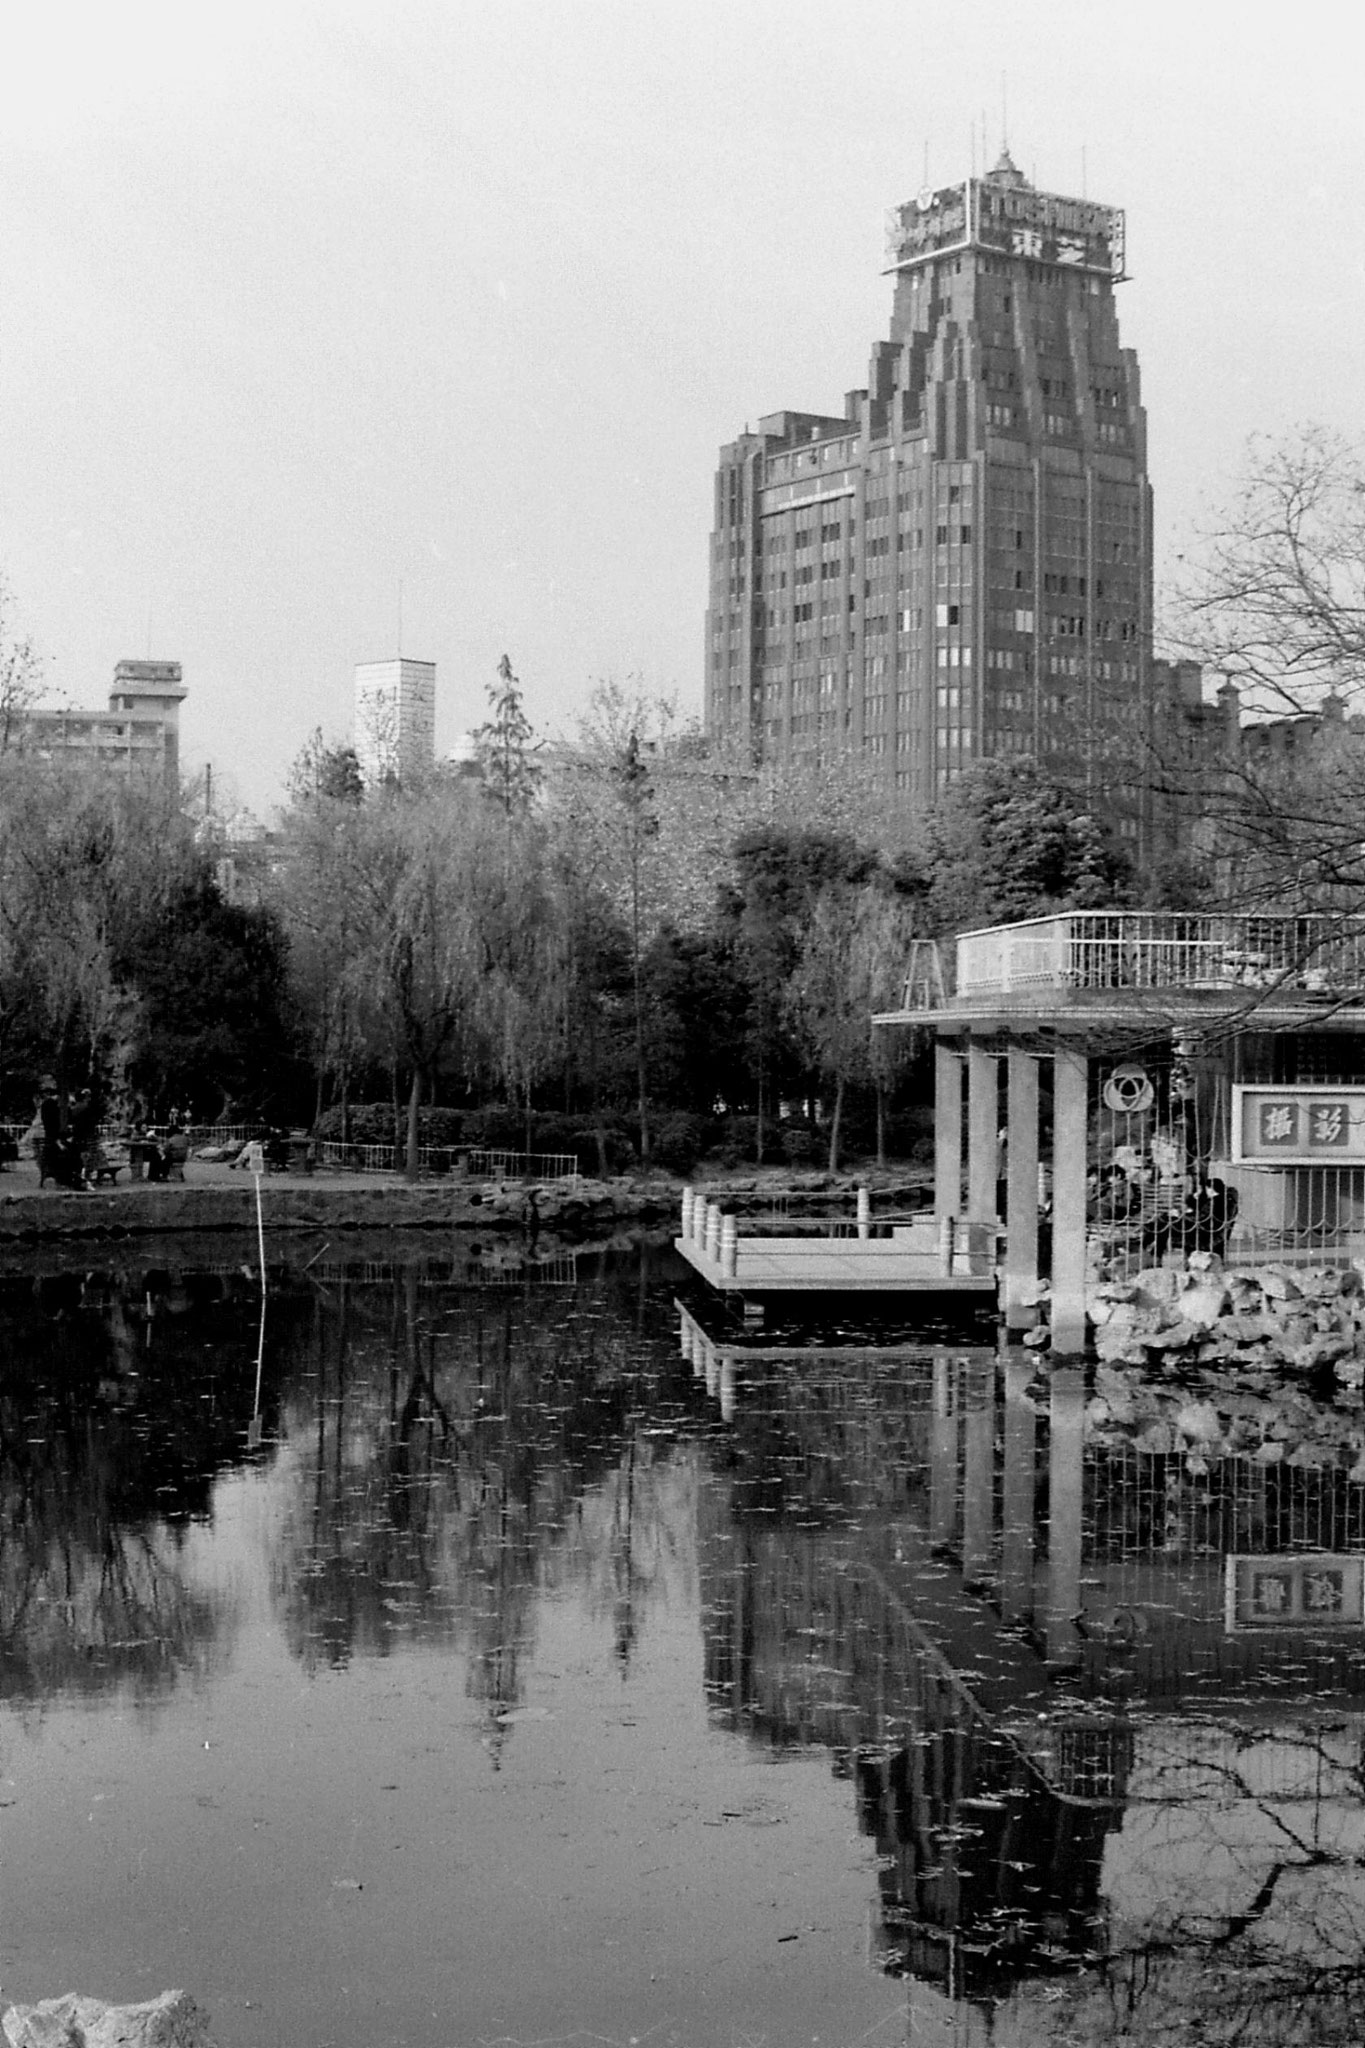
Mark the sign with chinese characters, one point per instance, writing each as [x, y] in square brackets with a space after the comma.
[1310, 1126]
[1325, 1590]
[1017, 221]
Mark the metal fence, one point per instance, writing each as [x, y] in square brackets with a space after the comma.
[476, 1161]
[1163, 1182]
[1136, 949]
[523, 1165]
[200, 1135]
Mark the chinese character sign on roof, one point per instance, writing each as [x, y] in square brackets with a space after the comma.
[1318, 1126]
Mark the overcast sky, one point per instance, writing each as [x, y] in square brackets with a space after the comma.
[301, 303]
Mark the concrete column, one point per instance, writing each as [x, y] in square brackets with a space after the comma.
[1017, 1540]
[947, 1244]
[947, 1130]
[864, 1213]
[729, 1247]
[1021, 1203]
[1068, 1202]
[1065, 1476]
[983, 1133]
[712, 1246]
[978, 1472]
[712, 1371]
[727, 1390]
[688, 1198]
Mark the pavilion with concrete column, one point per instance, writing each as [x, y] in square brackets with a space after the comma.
[1072, 1041]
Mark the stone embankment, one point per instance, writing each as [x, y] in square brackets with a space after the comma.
[218, 1199]
[1267, 1361]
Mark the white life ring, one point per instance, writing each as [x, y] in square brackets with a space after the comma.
[1129, 1091]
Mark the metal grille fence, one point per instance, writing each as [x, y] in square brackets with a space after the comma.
[1163, 1185]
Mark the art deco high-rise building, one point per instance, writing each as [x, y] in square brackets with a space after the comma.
[961, 566]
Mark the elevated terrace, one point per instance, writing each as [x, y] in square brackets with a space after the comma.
[1208, 1058]
[1122, 966]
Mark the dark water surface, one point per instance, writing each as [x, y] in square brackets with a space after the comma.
[522, 1663]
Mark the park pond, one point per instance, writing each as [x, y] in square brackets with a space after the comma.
[489, 1649]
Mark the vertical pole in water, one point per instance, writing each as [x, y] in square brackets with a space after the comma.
[1068, 1202]
[947, 1131]
[1021, 1195]
[254, 1432]
[727, 1389]
[864, 1213]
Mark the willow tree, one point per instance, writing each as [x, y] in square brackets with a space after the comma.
[853, 961]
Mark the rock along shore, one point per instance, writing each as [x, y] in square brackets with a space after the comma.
[214, 1198]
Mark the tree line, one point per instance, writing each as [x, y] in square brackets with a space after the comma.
[629, 939]
[625, 940]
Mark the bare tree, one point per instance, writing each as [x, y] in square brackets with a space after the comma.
[1275, 597]
[1273, 600]
[21, 676]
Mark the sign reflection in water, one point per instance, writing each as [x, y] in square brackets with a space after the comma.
[1081, 1793]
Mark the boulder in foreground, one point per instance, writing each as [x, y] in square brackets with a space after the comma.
[171, 2021]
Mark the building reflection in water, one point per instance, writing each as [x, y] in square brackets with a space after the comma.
[1072, 1736]
[1098, 1702]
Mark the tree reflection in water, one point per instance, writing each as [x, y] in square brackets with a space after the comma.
[452, 1455]
[1104, 1802]
[111, 1431]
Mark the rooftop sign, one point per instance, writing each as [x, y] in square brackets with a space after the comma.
[1012, 220]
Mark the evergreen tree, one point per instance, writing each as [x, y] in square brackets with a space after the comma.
[506, 746]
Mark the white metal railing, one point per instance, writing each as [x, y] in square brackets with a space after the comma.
[494, 1165]
[224, 1134]
[483, 1163]
[1159, 949]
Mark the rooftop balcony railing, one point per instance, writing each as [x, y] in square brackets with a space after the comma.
[1314, 958]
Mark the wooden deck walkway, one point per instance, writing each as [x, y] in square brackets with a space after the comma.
[907, 1264]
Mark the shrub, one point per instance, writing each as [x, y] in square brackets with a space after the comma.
[371, 1123]
[676, 1141]
[499, 1128]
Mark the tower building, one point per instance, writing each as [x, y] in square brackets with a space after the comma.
[960, 566]
[395, 719]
